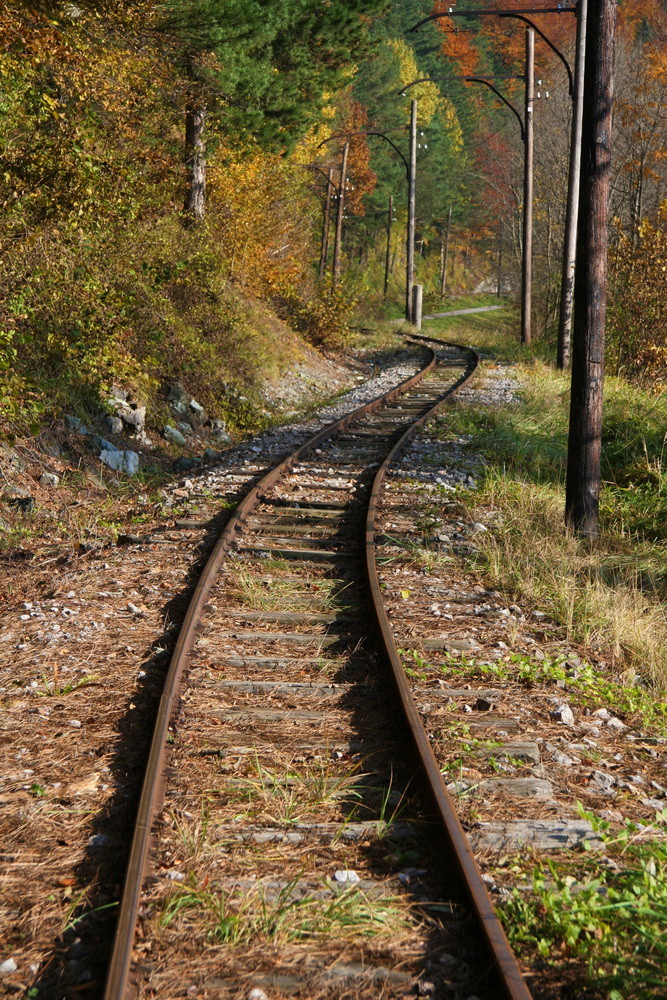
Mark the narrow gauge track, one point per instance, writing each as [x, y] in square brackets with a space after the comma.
[289, 813]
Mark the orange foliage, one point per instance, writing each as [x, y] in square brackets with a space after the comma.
[459, 48]
[362, 178]
[456, 44]
[493, 157]
[635, 14]
[265, 229]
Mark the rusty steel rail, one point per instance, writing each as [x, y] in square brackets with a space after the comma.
[118, 985]
[510, 982]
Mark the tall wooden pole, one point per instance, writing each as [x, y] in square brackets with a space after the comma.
[324, 252]
[590, 282]
[387, 262]
[335, 271]
[572, 210]
[443, 276]
[412, 178]
[499, 285]
[527, 257]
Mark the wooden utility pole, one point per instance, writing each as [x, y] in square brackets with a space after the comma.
[417, 301]
[499, 286]
[590, 282]
[335, 272]
[571, 212]
[324, 252]
[412, 178]
[387, 262]
[445, 253]
[527, 257]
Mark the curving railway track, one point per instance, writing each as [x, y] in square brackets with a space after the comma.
[294, 834]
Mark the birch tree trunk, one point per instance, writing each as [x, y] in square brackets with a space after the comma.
[195, 162]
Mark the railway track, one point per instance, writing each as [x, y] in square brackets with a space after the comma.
[284, 844]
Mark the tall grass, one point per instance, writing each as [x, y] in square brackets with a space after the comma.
[612, 595]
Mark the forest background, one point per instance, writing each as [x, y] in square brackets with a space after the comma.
[162, 210]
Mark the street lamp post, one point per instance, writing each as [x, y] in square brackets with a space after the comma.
[499, 284]
[573, 183]
[412, 178]
[527, 133]
[326, 207]
[335, 270]
[410, 171]
[526, 129]
[324, 251]
[387, 262]
[445, 254]
[575, 83]
[527, 254]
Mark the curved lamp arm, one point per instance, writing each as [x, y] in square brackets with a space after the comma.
[313, 166]
[487, 83]
[381, 135]
[448, 79]
[561, 8]
[521, 17]
[393, 145]
[424, 79]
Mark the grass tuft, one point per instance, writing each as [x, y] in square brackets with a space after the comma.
[287, 918]
[610, 596]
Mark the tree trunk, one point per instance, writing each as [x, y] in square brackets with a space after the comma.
[590, 282]
[195, 161]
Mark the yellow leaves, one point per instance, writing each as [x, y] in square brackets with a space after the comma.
[405, 594]
[427, 94]
[430, 101]
[258, 199]
[452, 126]
[638, 322]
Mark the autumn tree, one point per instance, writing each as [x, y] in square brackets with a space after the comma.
[264, 66]
[637, 337]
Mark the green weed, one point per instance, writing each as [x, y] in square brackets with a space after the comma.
[610, 596]
[287, 795]
[586, 685]
[286, 918]
[613, 922]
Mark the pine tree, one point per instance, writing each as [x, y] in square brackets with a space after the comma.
[265, 64]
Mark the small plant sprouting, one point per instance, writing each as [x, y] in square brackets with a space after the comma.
[55, 687]
[612, 922]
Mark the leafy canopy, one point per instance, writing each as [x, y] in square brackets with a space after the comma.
[273, 61]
